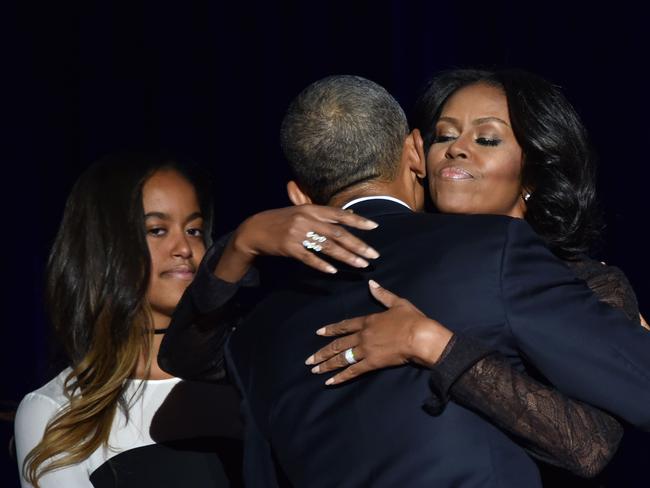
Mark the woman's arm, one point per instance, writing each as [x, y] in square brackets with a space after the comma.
[33, 414]
[285, 231]
[550, 426]
[208, 310]
[611, 286]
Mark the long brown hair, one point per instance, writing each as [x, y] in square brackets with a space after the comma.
[97, 277]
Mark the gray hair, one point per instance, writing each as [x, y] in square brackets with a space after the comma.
[340, 131]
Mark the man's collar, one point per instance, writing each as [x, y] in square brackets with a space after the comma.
[375, 197]
[376, 206]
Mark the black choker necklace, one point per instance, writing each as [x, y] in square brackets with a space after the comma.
[160, 331]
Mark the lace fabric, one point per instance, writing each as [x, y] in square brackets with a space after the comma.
[608, 283]
[552, 427]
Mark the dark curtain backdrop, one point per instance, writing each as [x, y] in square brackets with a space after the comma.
[212, 79]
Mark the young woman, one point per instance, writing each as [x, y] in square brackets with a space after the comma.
[134, 230]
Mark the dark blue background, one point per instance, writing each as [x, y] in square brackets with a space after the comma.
[212, 79]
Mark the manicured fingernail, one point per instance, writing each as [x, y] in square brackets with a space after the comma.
[369, 224]
[361, 263]
[310, 360]
[371, 253]
[330, 381]
[373, 284]
[330, 269]
[315, 369]
[320, 331]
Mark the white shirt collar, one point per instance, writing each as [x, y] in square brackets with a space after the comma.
[376, 197]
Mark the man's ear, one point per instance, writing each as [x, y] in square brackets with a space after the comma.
[296, 195]
[414, 153]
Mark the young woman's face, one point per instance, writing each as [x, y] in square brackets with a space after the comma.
[174, 227]
[474, 163]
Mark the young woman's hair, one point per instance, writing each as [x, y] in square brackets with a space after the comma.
[558, 168]
[96, 283]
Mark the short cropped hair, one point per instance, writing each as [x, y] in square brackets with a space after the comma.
[341, 131]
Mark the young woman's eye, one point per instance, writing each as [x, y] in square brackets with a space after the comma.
[156, 231]
[195, 232]
[442, 138]
[486, 141]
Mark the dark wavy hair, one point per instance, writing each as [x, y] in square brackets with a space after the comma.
[97, 278]
[559, 168]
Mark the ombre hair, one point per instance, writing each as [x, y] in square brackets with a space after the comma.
[96, 283]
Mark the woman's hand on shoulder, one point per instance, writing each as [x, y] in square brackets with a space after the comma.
[289, 232]
[394, 337]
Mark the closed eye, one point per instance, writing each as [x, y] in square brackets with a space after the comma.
[439, 139]
[485, 141]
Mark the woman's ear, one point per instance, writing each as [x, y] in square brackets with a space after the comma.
[296, 195]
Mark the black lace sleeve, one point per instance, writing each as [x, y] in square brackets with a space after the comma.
[609, 284]
[556, 429]
[552, 427]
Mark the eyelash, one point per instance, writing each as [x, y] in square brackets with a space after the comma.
[439, 139]
[192, 232]
[483, 141]
[154, 231]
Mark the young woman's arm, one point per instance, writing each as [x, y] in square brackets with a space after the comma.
[33, 414]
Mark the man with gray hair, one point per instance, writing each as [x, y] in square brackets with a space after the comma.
[340, 132]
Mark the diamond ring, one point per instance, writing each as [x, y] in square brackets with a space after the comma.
[314, 241]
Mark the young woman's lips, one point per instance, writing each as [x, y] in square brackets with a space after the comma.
[454, 173]
[180, 273]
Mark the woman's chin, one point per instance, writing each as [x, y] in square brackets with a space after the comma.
[455, 206]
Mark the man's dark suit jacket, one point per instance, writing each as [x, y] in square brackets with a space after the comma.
[486, 276]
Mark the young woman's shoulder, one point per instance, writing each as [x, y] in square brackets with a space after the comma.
[36, 410]
[48, 399]
[51, 392]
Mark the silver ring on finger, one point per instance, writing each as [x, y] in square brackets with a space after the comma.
[349, 356]
[314, 241]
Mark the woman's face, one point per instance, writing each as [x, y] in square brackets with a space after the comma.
[174, 227]
[474, 163]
